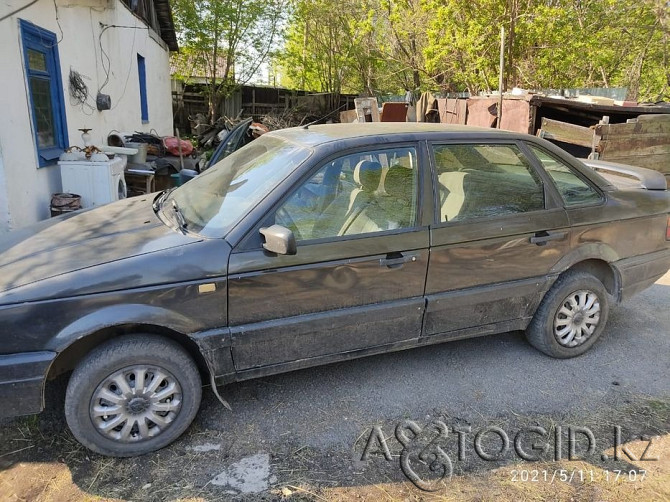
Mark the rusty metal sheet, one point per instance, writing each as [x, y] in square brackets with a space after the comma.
[479, 113]
[452, 110]
[516, 115]
[394, 112]
[482, 112]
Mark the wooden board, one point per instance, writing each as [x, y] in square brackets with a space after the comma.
[567, 133]
[644, 142]
[634, 146]
[348, 116]
[657, 162]
[645, 124]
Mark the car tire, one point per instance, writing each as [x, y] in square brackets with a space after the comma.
[109, 413]
[571, 317]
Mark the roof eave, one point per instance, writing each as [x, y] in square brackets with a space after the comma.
[168, 33]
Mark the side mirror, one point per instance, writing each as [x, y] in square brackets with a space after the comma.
[278, 240]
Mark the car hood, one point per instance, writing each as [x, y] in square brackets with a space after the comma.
[84, 239]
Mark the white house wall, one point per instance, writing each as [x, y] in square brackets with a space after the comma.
[25, 190]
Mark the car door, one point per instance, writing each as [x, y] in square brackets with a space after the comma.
[499, 230]
[233, 141]
[358, 276]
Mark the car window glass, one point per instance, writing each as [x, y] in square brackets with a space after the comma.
[213, 202]
[358, 193]
[573, 189]
[479, 181]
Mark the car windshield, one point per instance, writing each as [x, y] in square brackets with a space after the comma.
[212, 203]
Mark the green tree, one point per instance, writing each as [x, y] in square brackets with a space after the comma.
[463, 43]
[330, 46]
[225, 41]
[404, 40]
[379, 46]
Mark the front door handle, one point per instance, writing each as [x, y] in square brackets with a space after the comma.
[541, 238]
[396, 260]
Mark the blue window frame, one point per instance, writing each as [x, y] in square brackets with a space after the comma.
[45, 91]
[142, 73]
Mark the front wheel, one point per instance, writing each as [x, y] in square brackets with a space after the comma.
[132, 395]
[571, 316]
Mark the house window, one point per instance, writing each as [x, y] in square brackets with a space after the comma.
[142, 72]
[45, 91]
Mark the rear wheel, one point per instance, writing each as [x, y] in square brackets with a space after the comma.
[132, 395]
[571, 317]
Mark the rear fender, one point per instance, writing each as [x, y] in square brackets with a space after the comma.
[592, 251]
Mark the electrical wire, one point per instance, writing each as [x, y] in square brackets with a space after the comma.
[16, 11]
[102, 61]
[107, 68]
[60, 28]
[78, 88]
[79, 92]
[130, 67]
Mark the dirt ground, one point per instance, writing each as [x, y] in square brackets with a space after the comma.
[452, 417]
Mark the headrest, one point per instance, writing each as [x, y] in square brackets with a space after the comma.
[398, 182]
[368, 174]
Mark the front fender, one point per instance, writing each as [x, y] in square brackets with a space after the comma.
[213, 345]
[118, 315]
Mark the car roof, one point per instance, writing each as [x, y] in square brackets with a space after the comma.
[318, 134]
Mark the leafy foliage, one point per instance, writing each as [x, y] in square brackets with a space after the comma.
[225, 41]
[379, 46]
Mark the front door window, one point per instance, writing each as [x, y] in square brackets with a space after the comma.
[359, 193]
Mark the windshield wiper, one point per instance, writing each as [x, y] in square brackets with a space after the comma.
[181, 221]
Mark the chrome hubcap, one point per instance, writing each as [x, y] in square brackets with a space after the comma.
[577, 319]
[136, 403]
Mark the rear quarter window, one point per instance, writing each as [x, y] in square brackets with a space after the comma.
[574, 191]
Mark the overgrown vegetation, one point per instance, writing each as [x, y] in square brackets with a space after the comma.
[225, 42]
[390, 46]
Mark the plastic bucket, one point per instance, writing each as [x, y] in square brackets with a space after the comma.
[141, 156]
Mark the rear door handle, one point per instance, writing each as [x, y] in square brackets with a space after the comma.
[541, 238]
[395, 260]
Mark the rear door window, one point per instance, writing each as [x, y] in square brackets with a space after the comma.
[482, 181]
